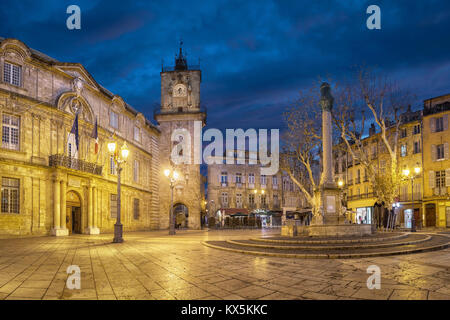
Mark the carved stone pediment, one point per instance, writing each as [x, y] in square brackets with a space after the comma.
[71, 102]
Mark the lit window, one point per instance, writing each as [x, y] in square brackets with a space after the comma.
[114, 120]
[12, 74]
[10, 132]
[403, 150]
[10, 195]
[251, 178]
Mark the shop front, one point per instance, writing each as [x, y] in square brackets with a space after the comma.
[364, 215]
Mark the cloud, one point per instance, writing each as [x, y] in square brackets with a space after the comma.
[255, 55]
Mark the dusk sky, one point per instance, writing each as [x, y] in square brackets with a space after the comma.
[255, 55]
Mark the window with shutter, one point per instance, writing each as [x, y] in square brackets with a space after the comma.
[432, 124]
[440, 152]
[445, 120]
[447, 177]
[433, 152]
[446, 152]
[431, 179]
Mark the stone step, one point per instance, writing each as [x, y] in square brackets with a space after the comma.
[436, 242]
[414, 239]
[377, 237]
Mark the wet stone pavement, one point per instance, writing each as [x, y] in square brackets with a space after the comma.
[153, 265]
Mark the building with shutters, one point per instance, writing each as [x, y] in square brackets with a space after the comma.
[49, 188]
[423, 141]
[436, 137]
[232, 187]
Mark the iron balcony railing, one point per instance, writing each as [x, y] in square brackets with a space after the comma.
[60, 160]
[360, 196]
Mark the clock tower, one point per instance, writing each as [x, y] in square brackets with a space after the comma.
[179, 110]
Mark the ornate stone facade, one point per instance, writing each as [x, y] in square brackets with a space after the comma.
[43, 190]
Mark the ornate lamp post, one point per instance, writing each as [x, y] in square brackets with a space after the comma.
[119, 159]
[407, 175]
[172, 175]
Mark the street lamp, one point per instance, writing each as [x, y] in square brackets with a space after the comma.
[407, 175]
[172, 175]
[340, 183]
[119, 159]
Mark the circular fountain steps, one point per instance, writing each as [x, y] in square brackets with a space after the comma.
[323, 245]
[377, 237]
[324, 248]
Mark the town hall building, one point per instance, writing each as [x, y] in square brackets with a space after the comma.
[47, 190]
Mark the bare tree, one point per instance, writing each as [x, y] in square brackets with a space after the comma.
[383, 100]
[300, 157]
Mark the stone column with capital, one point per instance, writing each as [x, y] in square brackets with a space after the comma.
[330, 193]
[57, 230]
[91, 229]
[63, 213]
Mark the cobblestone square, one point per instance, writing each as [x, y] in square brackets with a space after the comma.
[153, 265]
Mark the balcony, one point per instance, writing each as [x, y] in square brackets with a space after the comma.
[360, 196]
[224, 184]
[59, 160]
[238, 184]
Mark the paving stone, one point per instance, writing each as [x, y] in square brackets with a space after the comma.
[148, 266]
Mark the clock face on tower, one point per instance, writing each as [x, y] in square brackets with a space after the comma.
[179, 90]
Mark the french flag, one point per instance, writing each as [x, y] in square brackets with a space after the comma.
[73, 141]
[95, 136]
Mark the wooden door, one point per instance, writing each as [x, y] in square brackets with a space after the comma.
[430, 215]
[69, 219]
[76, 219]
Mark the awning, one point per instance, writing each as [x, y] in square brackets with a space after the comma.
[239, 214]
[234, 211]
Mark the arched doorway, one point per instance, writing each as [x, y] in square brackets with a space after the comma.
[430, 215]
[73, 212]
[181, 213]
